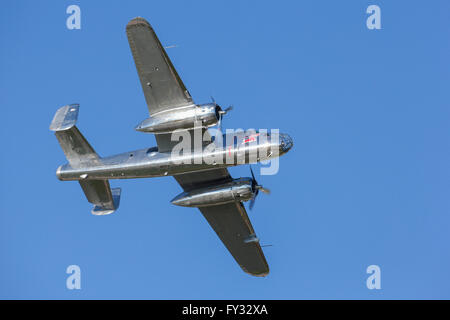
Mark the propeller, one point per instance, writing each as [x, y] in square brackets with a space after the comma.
[256, 188]
[221, 112]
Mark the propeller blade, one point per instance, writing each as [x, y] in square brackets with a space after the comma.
[256, 187]
[220, 112]
[219, 123]
[253, 176]
[228, 109]
[252, 203]
[265, 190]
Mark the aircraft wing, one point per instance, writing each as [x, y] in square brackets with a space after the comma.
[163, 88]
[230, 222]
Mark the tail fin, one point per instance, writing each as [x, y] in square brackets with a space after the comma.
[80, 154]
[75, 146]
[99, 193]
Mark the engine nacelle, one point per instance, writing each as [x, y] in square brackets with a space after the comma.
[205, 116]
[236, 190]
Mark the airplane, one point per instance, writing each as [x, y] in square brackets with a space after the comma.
[207, 185]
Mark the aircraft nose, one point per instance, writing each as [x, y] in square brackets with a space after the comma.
[286, 143]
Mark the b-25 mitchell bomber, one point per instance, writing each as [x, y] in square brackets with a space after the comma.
[206, 183]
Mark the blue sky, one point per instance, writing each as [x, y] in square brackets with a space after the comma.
[367, 181]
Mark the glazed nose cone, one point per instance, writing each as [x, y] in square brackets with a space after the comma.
[286, 143]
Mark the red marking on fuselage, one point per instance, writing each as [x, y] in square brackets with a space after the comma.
[251, 138]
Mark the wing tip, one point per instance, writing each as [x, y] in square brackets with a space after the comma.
[138, 21]
[262, 273]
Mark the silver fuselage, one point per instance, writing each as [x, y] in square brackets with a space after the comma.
[149, 162]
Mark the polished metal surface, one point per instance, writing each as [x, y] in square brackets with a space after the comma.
[201, 170]
[65, 118]
[80, 154]
[251, 238]
[145, 163]
[161, 84]
[203, 116]
[236, 190]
